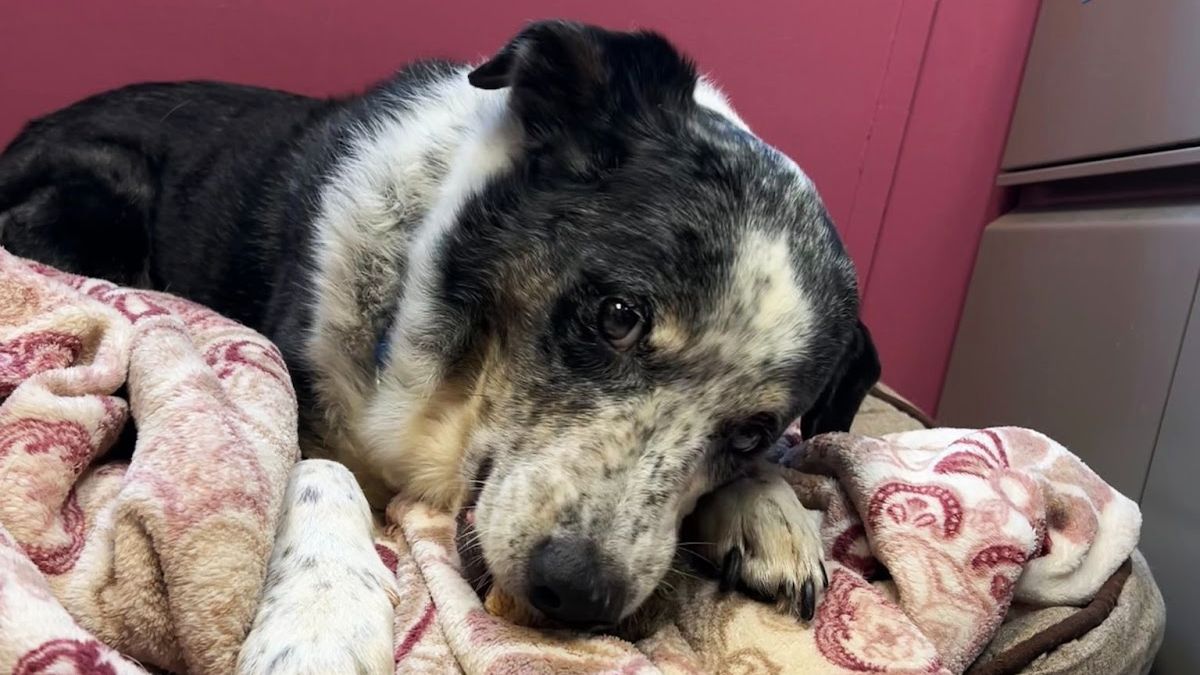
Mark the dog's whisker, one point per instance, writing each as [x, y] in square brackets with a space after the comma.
[470, 545]
[688, 575]
[694, 554]
[478, 580]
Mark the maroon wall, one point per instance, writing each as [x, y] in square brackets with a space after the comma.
[833, 84]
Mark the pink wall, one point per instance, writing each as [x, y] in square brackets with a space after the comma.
[897, 108]
[942, 189]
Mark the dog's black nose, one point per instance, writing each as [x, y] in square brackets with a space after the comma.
[569, 582]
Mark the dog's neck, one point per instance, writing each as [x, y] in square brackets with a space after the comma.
[392, 200]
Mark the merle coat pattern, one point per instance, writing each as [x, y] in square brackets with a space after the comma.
[567, 292]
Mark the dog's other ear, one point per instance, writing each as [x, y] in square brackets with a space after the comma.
[568, 78]
[857, 371]
[559, 55]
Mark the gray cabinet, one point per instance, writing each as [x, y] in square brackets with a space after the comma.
[1082, 317]
[1085, 324]
[1171, 507]
[1072, 326]
[1107, 78]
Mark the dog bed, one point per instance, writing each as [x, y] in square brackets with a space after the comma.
[117, 559]
[1120, 631]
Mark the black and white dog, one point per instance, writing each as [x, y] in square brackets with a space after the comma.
[566, 292]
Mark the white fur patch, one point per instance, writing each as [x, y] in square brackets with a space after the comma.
[710, 96]
[765, 312]
[327, 606]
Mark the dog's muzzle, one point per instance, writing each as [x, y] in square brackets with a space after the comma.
[568, 579]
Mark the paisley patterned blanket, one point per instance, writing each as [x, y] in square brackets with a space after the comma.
[158, 554]
[118, 557]
[929, 536]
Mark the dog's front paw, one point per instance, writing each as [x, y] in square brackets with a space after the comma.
[763, 541]
[327, 601]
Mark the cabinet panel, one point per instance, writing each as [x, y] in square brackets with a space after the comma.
[1072, 325]
[1171, 512]
[1107, 78]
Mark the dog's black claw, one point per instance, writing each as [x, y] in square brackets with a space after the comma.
[824, 577]
[808, 600]
[731, 570]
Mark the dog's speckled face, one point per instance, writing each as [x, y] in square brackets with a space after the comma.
[586, 439]
[642, 304]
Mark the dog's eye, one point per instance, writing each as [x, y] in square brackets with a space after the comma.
[746, 440]
[752, 436]
[621, 323]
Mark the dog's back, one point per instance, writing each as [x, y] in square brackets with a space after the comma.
[167, 186]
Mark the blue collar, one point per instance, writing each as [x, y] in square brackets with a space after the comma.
[383, 345]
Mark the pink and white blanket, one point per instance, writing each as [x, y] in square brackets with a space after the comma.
[929, 537]
[158, 560]
[116, 566]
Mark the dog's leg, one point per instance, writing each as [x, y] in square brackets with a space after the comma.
[327, 603]
[762, 540]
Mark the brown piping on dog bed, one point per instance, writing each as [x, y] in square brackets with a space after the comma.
[1016, 658]
[903, 406]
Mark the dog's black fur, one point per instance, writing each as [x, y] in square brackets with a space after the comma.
[204, 189]
[624, 185]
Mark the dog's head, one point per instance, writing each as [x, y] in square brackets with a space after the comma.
[637, 307]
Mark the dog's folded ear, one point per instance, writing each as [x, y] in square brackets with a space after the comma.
[569, 79]
[857, 371]
[556, 56]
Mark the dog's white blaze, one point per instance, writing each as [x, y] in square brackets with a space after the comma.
[766, 311]
[486, 150]
[782, 303]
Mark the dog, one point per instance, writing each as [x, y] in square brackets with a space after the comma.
[566, 293]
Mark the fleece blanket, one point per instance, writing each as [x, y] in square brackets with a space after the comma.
[930, 535]
[117, 564]
[105, 563]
